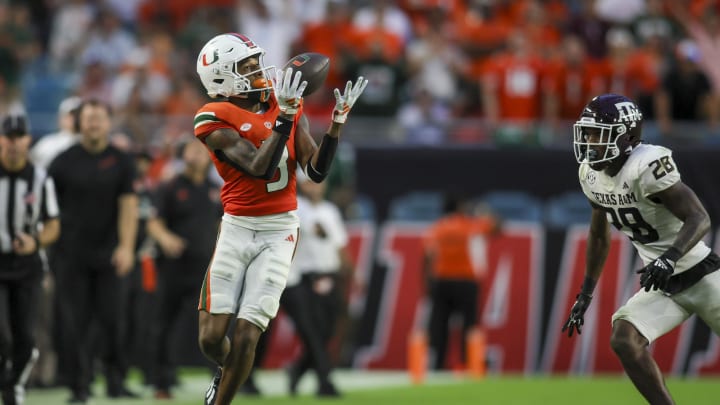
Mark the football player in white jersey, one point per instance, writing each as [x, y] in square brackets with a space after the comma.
[637, 188]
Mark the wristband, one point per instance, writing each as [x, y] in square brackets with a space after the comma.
[673, 254]
[283, 126]
[588, 286]
[37, 242]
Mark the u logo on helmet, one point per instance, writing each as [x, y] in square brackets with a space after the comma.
[215, 58]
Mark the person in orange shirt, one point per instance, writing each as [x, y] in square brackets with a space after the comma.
[453, 265]
[512, 85]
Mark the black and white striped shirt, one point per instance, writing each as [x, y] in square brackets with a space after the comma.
[27, 198]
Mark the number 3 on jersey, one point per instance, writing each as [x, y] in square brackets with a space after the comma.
[282, 181]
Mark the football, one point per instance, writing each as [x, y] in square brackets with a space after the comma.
[314, 67]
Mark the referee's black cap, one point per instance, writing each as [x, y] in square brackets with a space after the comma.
[15, 126]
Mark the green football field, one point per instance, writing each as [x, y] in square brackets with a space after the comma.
[392, 388]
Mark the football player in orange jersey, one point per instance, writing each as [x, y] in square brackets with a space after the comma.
[257, 136]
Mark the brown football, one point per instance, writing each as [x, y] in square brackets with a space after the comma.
[314, 67]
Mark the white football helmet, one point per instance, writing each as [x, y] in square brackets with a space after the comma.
[217, 66]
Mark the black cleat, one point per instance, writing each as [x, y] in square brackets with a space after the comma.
[293, 379]
[122, 392]
[78, 398]
[328, 390]
[211, 393]
[9, 397]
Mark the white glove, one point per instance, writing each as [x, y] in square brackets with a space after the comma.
[288, 91]
[345, 101]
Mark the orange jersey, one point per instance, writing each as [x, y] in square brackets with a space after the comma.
[517, 83]
[242, 194]
[449, 242]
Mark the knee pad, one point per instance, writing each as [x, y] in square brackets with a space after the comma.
[269, 306]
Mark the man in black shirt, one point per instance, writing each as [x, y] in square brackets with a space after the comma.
[94, 183]
[185, 226]
[28, 222]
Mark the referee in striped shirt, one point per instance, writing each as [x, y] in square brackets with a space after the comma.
[28, 222]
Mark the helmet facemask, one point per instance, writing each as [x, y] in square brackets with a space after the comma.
[605, 148]
[256, 89]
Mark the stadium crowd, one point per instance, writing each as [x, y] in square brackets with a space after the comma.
[433, 64]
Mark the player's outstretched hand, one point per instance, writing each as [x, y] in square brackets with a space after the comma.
[577, 314]
[289, 90]
[656, 274]
[345, 101]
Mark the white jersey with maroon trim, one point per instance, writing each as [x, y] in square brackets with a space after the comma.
[626, 199]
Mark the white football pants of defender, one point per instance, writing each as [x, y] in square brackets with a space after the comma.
[654, 314]
[248, 271]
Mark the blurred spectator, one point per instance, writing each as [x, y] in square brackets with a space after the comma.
[296, 301]
[19, 30]
[324, 266]
[316, 11]
[94, 183]
[51, 145]
[654, 24]
[9, 60]
[272, 24]
[205, 22]
[424, 119]
[71, 22]
[629, 70]
[41, 20]
[382, 64]
[619, 12]
[10, 101]
[341, 182]
[332, 37]
[185, 98]
[185, 225]
[152, 86]
[384, 15]
[544, 37]
[477, 32]
[572, 80]
[589, 27]
[95, 82]
[512, 89]
[174, 14]
[435, 63]
[125, 10]
[108, 42]
[453, 268]
[686, 94]
[705, 32]
[142, 280]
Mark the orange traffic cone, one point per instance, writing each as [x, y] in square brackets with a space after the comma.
[417, 356]
[475, 351]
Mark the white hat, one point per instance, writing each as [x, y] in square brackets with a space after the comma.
[69, 104]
